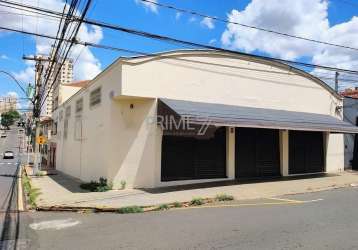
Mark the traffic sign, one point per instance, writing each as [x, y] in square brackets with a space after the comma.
[41, 139]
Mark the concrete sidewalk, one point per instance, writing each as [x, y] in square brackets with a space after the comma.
[62, 190]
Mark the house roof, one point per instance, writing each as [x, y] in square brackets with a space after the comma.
[240, 116]
[352, 93]
[79, 84]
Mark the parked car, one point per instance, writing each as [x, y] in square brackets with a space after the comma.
[9, 155]
[3, 135]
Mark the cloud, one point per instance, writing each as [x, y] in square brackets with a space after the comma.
[12, 94]
[212, 41]
[192, 19]
[4, 57]
[25, 76]
[87, 65]
[301, 18]
[208, 23]
[148, 6]
[178, 15]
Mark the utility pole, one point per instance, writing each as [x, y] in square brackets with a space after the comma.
[336, 82]
[39, 67]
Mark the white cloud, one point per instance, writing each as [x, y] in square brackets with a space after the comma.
[301, 18]
[208, 23]
[148, 6]
[87, 65]
[4, 57]
[178, 15]
[25, 76]
[192, 19]
[12, 94]
[212, 41]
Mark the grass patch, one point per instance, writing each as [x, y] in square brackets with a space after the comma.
[97, 186]
[31, 193]
[130, 210]
[197, 201]
[224, 197]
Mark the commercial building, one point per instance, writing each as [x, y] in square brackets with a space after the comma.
[196, 116]
[48, 127]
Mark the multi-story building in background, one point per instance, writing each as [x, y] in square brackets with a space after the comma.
[8, 103]
[64, 77]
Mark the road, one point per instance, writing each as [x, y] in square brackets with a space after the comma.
[329, 220]
[9, 214]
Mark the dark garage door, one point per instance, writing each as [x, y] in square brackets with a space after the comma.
[306, 152]
[185, 158]
[257, 153]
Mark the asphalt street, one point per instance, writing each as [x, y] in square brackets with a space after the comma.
[9, 215]
[327, 220]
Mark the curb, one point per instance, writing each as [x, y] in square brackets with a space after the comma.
[20, 193]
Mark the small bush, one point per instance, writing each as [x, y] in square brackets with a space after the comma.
[94, 186]
[163, 207]
[224, 197]
[197, 201]
[130, 210]
[123, 184]
[177, 204]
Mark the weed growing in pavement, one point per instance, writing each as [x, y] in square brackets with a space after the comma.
[224, 197]
[97, 186]
[130, 210]
[177, 204]
[123, 184]
[197, 201]
[32, 193]
[163, 207]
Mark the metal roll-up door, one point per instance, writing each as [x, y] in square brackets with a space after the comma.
[257, 153]
[306, 152]
[185, 158]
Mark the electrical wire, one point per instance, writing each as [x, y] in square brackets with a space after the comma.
[188, 43]
[191, 12]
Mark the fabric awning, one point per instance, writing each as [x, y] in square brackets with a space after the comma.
[240, 116]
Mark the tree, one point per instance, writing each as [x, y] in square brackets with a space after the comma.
[14, 113]
[7, 120]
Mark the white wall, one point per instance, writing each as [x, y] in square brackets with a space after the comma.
[218, 79]
[121, 144]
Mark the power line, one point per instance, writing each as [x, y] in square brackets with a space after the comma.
[74, 34]
[188, 43]
[101, 46]
[246, 25]
[16, 81]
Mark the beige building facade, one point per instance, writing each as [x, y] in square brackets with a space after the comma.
[260, 119]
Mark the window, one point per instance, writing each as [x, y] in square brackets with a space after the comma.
[79, 105]
[65, 129]
[95, 97]
[61, 115]
[68, 112]
[54, 128]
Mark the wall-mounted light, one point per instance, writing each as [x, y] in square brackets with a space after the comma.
[232, 130]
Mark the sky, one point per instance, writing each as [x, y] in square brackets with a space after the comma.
[334, 21]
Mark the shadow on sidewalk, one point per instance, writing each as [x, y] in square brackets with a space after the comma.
[234, 183]
[70, 183]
